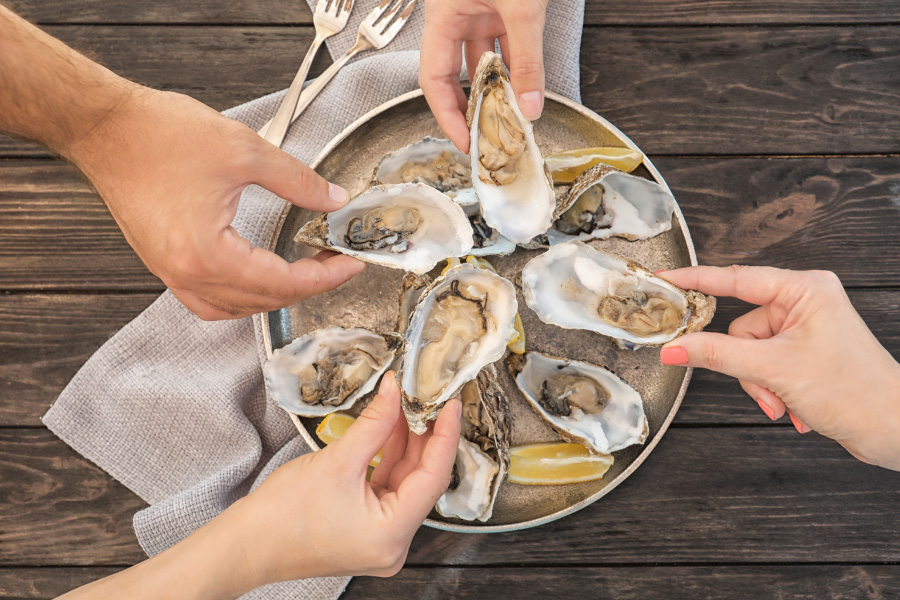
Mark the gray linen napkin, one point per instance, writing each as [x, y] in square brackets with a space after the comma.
[174, 407]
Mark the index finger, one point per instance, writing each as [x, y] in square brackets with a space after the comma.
[757, 285]
[418, 492]
[439, 67]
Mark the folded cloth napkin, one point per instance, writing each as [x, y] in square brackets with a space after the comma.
[175, 407]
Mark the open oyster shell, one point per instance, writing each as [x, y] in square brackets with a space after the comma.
[575, 286]
[584, 403]
[408, 226]
[508, 171]
[461, 324]
[604, 202]
[329, 369]
[482, 458]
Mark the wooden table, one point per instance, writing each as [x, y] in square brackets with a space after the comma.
[776, 123]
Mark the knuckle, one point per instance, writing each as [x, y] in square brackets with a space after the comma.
[710, 356]
[827, 280]
[527, 67]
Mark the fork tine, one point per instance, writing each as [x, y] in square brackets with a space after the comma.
[376, 13]
[347, 6]
[392, 29]
[389, 16]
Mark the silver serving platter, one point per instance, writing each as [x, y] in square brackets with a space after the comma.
[371, 300]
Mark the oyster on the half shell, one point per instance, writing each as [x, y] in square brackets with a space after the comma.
[576, 286]
[508, 172]
[604, 202]
[584, 403]
[329, 369]
[461, 324]
[408, 226]
[482, 457]
[439, 164]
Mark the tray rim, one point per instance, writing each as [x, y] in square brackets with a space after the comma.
[648, 448]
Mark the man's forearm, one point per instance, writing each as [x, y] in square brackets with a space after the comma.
[50, 93]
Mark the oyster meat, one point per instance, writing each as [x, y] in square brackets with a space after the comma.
[329, 369]
[461, 324]
[508, 172]
[584, 403]
[438, 163]
[408, 226]
[575, 286]
[605, 202]
[482, 457]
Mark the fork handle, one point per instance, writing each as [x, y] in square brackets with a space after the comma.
[278, 126]
[314, 88]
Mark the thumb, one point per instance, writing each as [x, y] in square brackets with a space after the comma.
[745, 359]
[284, 175]
[365, 438]
[523, 49]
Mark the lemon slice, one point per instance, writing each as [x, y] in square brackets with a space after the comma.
[516, 344]
[566, 166]
[334, 426]
[555, 463]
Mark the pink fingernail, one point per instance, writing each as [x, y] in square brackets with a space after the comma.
[531, 104]
[770, 412]
[676, 355]
[658, 272]
[338, 194]
[798, 424]
[387, 384]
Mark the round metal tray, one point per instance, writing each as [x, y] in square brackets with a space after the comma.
[371, 300]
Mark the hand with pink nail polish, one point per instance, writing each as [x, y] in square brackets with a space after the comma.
[454, 27]
[315, 516]
[804, 351]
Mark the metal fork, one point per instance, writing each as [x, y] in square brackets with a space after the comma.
[375, 32]
[330, 17]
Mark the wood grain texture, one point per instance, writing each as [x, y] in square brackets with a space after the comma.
[597, 12]
[48, 337]
[840, 214]
[538, 583]
[56, 508]
[55, 232]
[699, 91]
[705, 495]
[745, 91]
[635, 583]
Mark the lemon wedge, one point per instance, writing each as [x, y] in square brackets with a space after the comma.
[566, 166]
[334, 426]
[555, 463]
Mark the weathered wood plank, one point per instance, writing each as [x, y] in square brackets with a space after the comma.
[747, 91]
[840, 214]
[48, 338]
[30, 584]
[635, 583]
[58, 508]
[597, 12]
[56, 232]
[700, 91]
[622, 583]
[705, 495]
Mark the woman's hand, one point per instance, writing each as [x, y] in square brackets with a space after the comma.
[804, 350]
[451, 25]
[171, 171]
[317, 515]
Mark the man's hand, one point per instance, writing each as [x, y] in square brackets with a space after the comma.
[451, 25]
[171, 171]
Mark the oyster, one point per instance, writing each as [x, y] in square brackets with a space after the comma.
[482, 457]
[462, 323]
[435, 162]
[329, 369]
[605, 202]
[575, 286]
[508, 172]
[585, 403]
[408, 226]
